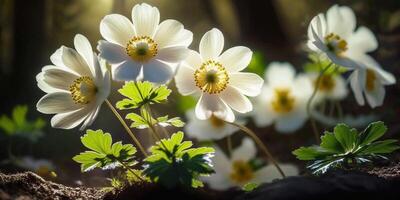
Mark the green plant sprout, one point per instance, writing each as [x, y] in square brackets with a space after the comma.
[346, 148]
[18, 124]
[173, 162]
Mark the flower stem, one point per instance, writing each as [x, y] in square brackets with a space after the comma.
[260, 144]
[128, 130]
[129, 169]
[309, 102]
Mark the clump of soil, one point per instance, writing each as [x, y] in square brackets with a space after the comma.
[29, 186]
[145, 191]
[387, 172]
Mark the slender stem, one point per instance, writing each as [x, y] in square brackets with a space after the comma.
[260, 144]
[340, 110]
[309, 102]
[129, 169]
[229, 144]
[128, 130]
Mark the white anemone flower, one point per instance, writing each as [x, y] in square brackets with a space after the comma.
[331, 86]
[217, 78]
[334, 36]
[370, 81]
[283, 99]
[143, 48]
[212, 128]
[237, 170]
[76, 85]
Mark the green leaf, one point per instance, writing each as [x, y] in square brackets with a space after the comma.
[19, 115]
[184, 103]
[330, 143]
[257, 64]
[346, 136]
[173, 162]
[250, 187]
[104, 154]
[138, 121]
[309, 153]
[7, 125]
[373, 132]
[141, 93]
[381, 147]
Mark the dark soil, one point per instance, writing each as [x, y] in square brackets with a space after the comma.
[374, 183]
[29, 186]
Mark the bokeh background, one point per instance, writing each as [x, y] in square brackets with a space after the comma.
[30, 31]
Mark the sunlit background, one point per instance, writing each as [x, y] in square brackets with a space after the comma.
[30, 31]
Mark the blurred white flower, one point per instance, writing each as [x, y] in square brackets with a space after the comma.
[77, 85]
[331, 86]
[218, 79]
[334, 36]
[283, 99]
[143, 48]
[237, 170]
[370, 81]
[212, 128]
[41, 167]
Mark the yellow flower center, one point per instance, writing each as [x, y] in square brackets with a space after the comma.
[141, 48]
[211, 77]
[326, 83]
[83, 90]
[283, 101]
[242, 172]
[216, 122]
[370, 80]
[336, 44]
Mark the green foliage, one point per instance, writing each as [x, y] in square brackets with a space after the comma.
[19, 125]
[250, 187]
[317, 64]
[103, 153]
[257, 64]
[141, 93]
[173, 162]
[345, 147]
[184, 103]
[140, 122]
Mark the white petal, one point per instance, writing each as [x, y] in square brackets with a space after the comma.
[157, 72]
[362, 41]
[220, 161]
[211, 104]
[111, 52]
[58, 102]
[211, 44]
[70, 120]
[249, 84]
[193, 60]
[218, 181]
[262, 115]
[269, 173]
[236, 58]
[59, 78]
[341, 20]
[236, 100]
[56, 57]
[82, 45]
[375, 98]
[90, 119]
[117, 29]
[291, 122]
[171, 33]
[184, 80]
[279, 74]
[43, 85]
[127, 71]
[246, 151]
[357, 81]
[145, 19]
[75, 62]
[318, 25]
[173, 54]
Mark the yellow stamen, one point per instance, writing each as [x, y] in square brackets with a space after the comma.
[370, 80]
[141, 48]
[83, 90]
[211, 77]
[283, 101]
[336, 44]
[216, 122]
[242, 172]
[327, 83]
